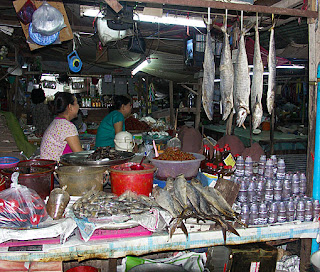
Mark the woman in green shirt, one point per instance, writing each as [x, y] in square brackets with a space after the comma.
[113, 122]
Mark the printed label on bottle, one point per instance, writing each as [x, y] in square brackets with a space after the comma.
[229, 160]
[254, 267]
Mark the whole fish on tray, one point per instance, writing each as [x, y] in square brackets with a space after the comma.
[272, 71]
[257, 82]
[226, 75]
[241, 88]
[208, 77]
[196, 201]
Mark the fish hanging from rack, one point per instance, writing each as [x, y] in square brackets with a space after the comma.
[208, 76]
[257, 81]
[272, 69]
[226, 74]
[241, 86]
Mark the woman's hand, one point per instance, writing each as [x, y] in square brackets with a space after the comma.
[74, 143]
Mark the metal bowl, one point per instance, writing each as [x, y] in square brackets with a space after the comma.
[159, 267]
[81, 158]
[315, 261]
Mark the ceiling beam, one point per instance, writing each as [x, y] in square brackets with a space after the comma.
[287, 4]
[233, 6]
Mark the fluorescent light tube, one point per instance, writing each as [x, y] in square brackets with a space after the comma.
[170, 19]
[140, 66]
[290, 67]
[90, 11]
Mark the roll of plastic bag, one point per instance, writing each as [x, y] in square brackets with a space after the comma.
[47, 20]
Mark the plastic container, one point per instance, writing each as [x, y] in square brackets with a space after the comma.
[38, 162]
[123, 178]
[7, 162]
[83, 268]
[172, 169]
[37, 178]
[80, 179]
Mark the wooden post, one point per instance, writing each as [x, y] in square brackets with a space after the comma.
[171, 103]
[314, 59]
[198, 104]
[272, 131]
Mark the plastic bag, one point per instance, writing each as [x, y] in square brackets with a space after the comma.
[47, 20]
[25, 13]
[21, 207]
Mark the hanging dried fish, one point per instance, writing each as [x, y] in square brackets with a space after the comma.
[272, 69]
[257, 81]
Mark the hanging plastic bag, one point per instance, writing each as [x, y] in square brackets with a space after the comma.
[47, 20]
[21, 207]
[26, 12]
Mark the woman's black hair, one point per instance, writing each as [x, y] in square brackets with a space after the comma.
[37, 96]
[61, 101]
[120, 100]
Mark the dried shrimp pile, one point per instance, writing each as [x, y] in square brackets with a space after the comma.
[172, 154]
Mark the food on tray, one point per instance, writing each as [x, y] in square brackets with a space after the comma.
[99, 204]
[105, 152]
[172, 154]
[132, 123]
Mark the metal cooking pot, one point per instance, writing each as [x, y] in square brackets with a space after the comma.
[159, 267]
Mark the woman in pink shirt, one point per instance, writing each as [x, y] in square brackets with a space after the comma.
[61, 137]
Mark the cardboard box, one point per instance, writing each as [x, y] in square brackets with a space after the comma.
[65, 34]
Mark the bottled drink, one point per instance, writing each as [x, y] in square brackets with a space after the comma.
[316, 208]
[245, 213]
[226, 172]
[242, 194]
[295, 184]
[251, 191]
[300, 211]
[273, 213]
[268, 171]
[277, 190]
[282, 216]
[262, 164]
[260, 189]
[303, 184]
[248, 167]
[269, 190]
[308, 214]
[203, 164]
[281, 169]
[254, 214]
[239, 167]
[214, 169]
[286, 189]
[263, 214]
[290, 210]
[274, 163]
[220, 170]
[214, 155]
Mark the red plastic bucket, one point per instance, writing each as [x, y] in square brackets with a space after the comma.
[83, 268]
[123, 178]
